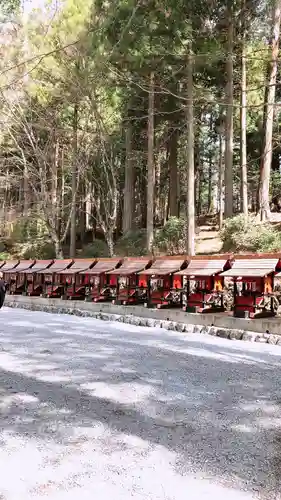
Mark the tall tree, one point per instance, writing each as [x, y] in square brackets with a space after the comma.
[173, 171]
[266, 159]
[150, 166]
[220, 187]
[128, 207]
[72, 251]
[243, 117]
[190, 199]
[229, 115]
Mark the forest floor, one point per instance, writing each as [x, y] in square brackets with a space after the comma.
[275, 217]
[208, 241]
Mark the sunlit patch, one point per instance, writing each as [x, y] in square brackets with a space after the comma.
[45, 366]
[17, 399]
[269, 423]
[57, 412]
[122, 393]
[26, 398]
[27, 324]
[243, 428]
[92, 356]
[260, 406]
[56, 377]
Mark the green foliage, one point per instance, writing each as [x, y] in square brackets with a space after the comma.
[96, 249]
[40, 249]
[29, 240]
[275, 183]
[28, 229]
[2, 247]
[98, 56]
[171, 239]
[6, 249]
[5, 256]
[132, 244]
[240, 234]
[9, 8]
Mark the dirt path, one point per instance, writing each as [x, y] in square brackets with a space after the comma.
[207, 241]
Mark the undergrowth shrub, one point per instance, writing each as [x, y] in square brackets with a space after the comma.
[242, 234]
[96, 249]
[6, 245]
[37, 250]
[132, 244]
[29, 229]
[171, 238]
[5, 256]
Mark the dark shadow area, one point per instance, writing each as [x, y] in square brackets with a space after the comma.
[213, 403]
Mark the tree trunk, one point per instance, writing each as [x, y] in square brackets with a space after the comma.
[61, 191]
[190, 208]
[254, 201]
[74, 184]
[199, 191]
[58, 250]
[110, 242]
[26, 78]
[243, 123]
[150, 167]
[119, 215]
[57, 244]
[142, 197]
[26, 191]
[82, 216]
[173, 169]
[157, 189]
[266, 158]
[128, 210]
[166, 208]
[220, 181]
[210, 178]
[197, 168]
[215, 191]
[88, 204]
[229, 117]
[94, 222]
[54, 184]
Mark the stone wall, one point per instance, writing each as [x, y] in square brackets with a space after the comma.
[217, 325]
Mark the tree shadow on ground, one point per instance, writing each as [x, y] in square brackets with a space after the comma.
[214, 404]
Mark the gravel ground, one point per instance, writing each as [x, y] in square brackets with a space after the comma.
[112, 411]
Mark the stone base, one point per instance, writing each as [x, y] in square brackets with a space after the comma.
[174, 320]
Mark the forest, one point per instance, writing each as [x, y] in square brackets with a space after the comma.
[128, 125]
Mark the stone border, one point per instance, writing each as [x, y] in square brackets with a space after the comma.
[225, 333]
